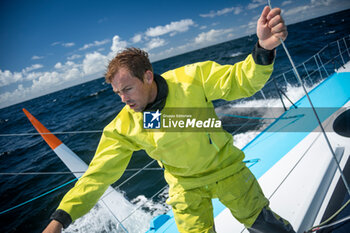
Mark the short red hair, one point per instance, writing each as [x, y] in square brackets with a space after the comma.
[134, 59]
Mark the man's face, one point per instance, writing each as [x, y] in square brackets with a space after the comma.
[133, 91]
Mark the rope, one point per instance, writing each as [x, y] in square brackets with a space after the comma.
[115, 217]
[34, 134]
[279, 93]
[336, 222]
[323, 224]
[144, 203]
[253, 161]
[250, 124]
[37, 173]
[136, 173]
[331, 224]
[315, 113]
[44, 194]
[319, 122]
[65, 173]
[241, 127]
[143, 169]
[284, 94]
[260, 118]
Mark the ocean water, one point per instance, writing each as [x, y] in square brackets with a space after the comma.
[92, 105]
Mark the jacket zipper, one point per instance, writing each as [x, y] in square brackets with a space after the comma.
[213, 143]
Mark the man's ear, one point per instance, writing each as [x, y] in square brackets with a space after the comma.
[148, 77]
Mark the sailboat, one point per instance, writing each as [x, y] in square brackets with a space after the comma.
[300, 168]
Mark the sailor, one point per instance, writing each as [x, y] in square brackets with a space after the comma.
[197, 166]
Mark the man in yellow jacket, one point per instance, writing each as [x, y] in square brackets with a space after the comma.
[198, 166]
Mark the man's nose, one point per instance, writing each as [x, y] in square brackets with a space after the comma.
[124, 98]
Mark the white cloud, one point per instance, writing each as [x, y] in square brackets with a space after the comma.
[201, 40]
[256, 3]
[312, 9]
[211, 36]
[56, 43]
[94, 63]
[307, 10]
[286, 3]
[250, 27]
[45, 80]
[33, 75]
[73, 73]
[58, 65]
[212, 14]
[37, 57]
[31, 83]
[16, 96]
[178, 26]
[137, 38]
[297, 10]
[155, 43]
[322, 2]
[168, 52]
[94, 44]
[7, 77]
[69, 71]
[50, 81]
[118, 45]
[74, 56]
[70, 44]
[33, 67]
[41, 83]
[67, 45]
[64, 73]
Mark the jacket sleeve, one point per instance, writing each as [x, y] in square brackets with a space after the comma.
[232, 82]
[109, 163]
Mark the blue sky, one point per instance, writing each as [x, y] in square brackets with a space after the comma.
[49, 45]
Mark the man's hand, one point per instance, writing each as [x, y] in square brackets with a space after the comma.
[53, 227]
[271, 28]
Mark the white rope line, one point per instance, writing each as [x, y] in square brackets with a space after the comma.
[315, 113]
[142, 169]
[33, 134]
[144, 203]
[65, 173]
[149, 164]
[116, 218]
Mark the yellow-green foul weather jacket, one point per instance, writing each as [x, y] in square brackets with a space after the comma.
[190, 159]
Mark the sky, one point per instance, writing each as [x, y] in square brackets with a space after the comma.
[48, 45]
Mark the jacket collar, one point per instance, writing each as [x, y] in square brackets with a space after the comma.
[162, 93]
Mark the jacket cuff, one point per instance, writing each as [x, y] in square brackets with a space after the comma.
[263, 56]
[62, 216]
